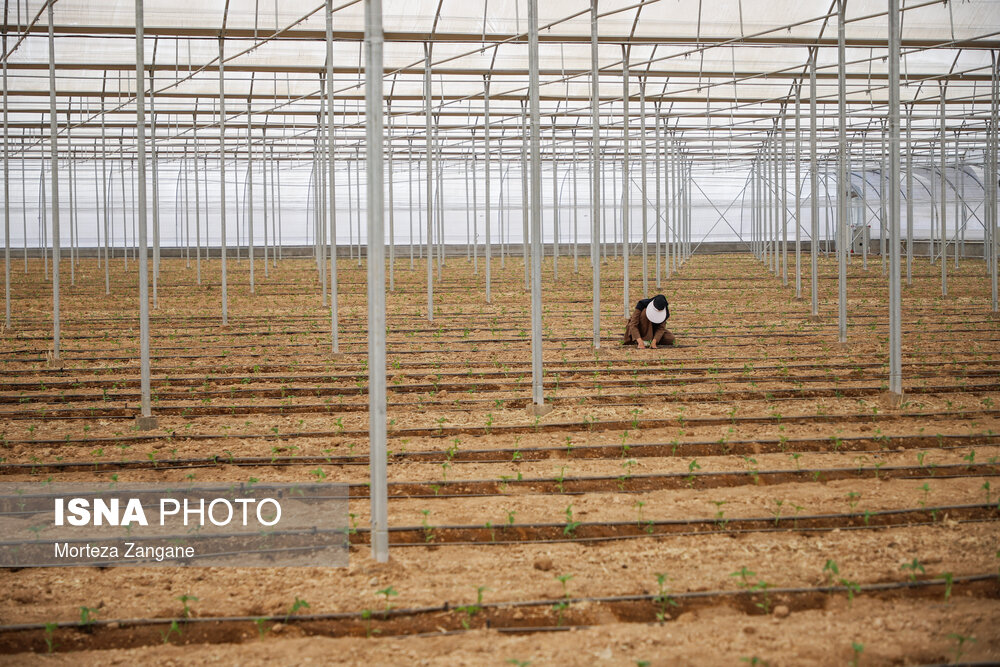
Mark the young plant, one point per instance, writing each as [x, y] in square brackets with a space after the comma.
[561, 606]
[184, 599]
[471, 610]
[571, 525]
[913, 567]
[662, 599]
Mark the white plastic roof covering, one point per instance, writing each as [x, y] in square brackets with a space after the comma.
[716, 97]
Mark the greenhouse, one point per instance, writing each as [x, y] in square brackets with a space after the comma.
[644, 321]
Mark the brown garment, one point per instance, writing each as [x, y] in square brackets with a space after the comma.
[640, 328]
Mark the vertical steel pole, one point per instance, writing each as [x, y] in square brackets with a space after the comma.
[197, 198]
[140, 114]
[376, 282]
[626, 247]
[222, 176]
[656, 177]
[576, 211]
[944, 201]
[525, 235]
[642, 187]
[331, 193]
[392, 217]
[798, 191]
[249, 197]
[555, 206]
[6, 182]
[909, 197]
[429, 185]
[488, 255]
[813, 191]
[104, 205]
[54, 152]
[537, 396]
[784, 199]
[409, 192]
[842, 185]
[895, 307]
[992, 189]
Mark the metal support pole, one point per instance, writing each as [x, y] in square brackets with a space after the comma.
[909, 197]
[140, 117]
[944, 201]
[222, 176]
[249, 198]
[992, 189]
[595, 178]
[642, 187]
[376, 282]
[555, 207]
[626, 247]
[656, 178]
[392, 217]
[842, 184]
[783, 165]
[895, 298]
[54, 152]
[197, 202]
[537, 397]
[331, 193]
[525, 236]
[429, 185]
[488, 255]
[798, 192]
[6, 183]
[813, 191]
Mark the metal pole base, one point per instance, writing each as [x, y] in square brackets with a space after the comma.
[539, 410]
[893, 400]
[146, 423]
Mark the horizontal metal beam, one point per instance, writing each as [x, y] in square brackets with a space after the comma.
[306, 34]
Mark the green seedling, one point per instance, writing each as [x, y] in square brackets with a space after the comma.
[571, 525]
[387, 592]
[298, 604]
[49, 636]
[913, 567]
[428, 529]
[960, 641]
[830, 570]
[471, 610]
[856, 650]
[720, 519]
[262, 627]
[184, 599]
[87, 615]
[173, 629]
[777, 511]
[663, 599]
[563, 604]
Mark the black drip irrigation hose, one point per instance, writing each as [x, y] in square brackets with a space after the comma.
[852, 362]
[540, 615]
[484, 535]
[635, 399]
[579, 367]
[707, 447]
[618, 451]
[396, 349]
[239, 388]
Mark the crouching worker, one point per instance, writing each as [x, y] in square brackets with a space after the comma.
[648, 323]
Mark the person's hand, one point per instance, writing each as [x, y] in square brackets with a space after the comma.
[653, 345]
[640, 343]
